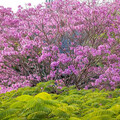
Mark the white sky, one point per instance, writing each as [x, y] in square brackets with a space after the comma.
[14, 3]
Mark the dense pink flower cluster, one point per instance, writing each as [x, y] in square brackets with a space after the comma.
[70, 42]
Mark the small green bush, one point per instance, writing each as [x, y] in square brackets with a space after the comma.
[34, 103]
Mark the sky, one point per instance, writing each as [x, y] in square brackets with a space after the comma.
[15, 3]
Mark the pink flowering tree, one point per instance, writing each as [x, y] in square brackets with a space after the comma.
[67, 41]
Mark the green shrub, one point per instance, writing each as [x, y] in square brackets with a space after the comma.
[34, 103]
